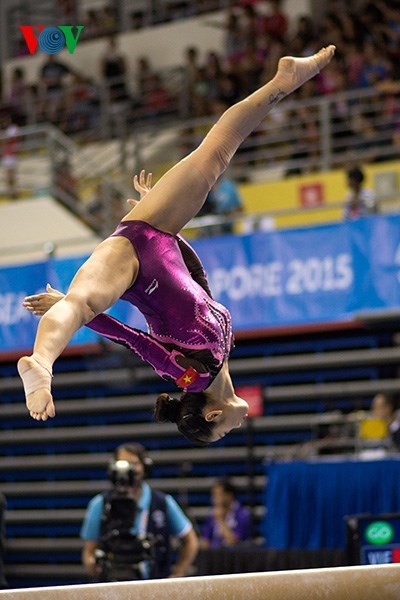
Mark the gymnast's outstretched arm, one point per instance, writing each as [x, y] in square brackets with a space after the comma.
[169, 364]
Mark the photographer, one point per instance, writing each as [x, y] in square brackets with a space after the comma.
[127, 531]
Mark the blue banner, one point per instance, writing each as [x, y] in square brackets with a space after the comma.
[291, 277]
[301, 276]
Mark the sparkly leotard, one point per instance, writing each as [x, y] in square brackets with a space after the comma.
[182, 318]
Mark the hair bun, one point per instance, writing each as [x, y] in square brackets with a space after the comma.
[167, 408]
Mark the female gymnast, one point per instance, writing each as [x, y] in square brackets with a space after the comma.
[147, 263]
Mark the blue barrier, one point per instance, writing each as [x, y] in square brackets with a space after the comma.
[291, 277]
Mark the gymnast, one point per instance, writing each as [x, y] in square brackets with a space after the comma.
[147, 263]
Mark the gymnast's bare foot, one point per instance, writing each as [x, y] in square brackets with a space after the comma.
[293, 71]
[37, 384]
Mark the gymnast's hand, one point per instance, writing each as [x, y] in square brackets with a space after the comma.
[38, 304]
[142, 184]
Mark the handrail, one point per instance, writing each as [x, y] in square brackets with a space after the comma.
[273, 147]
[203, 223]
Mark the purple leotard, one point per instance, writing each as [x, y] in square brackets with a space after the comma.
[182, 318]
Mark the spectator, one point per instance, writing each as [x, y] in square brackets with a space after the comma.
[376, 66]
[303, 39]
[390, 28]
[229, 89]
[276, 23]
[251, 68]
[213, 73]
[367, 138]
[353, 59]
[19, 96]
[10, 143]
[52, 91]
[144, 71]
[252, 26]
[305, 154]
[229, 523]
[391, 109]
[273, 52]
[156, 100]
[193, 74]
[81, 105]
[91, 24]
[234, 36]
[107, 20]
[332, 81]
[113, 71]
[158, 518]
[385, 406]
[359, 201]
[68, 9]
[65, 185]
[234, 39]
[330, 29]
[223, 200]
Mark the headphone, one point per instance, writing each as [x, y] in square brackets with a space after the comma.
[137, 450]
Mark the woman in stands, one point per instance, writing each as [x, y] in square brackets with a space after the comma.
[147, 263]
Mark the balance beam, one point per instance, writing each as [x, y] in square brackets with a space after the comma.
[380, 582]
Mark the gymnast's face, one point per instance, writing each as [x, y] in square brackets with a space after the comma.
[230, 416]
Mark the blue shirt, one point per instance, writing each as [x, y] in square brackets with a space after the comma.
[178, 522]
[225, 197]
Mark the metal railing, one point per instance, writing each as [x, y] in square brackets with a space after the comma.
[50, 163]
[297, 137]
[94, 179]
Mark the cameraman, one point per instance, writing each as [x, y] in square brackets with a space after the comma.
[157, 515]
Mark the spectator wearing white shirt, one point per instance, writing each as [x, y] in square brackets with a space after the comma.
[359, 201]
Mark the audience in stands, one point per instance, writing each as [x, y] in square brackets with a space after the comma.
[118, 521]
[257, 34]
[360, 200]
[229, 522]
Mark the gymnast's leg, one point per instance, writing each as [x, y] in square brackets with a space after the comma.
[179, 194]
[97, 285]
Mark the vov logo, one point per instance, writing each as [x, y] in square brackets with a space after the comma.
[51, 40]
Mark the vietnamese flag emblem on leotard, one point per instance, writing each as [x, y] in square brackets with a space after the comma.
[187, 378]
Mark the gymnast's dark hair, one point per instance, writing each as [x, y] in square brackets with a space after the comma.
[186, 412]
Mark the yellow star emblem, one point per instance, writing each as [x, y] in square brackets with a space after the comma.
[187, 379]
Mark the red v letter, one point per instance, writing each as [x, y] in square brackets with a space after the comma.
[31, 41]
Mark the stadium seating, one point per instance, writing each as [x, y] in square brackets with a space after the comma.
[49, 471]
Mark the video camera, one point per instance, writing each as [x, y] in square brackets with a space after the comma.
[121, 553]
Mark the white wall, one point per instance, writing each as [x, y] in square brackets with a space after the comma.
[29, 224]
[164, 45]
